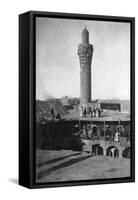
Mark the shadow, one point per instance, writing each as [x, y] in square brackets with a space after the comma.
[105, 115]
[13, 180]
[112, 170]
[56, 160]
[62, 165]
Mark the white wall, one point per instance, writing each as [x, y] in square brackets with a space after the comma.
[9, 11]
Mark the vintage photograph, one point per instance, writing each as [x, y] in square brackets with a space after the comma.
[83, 94]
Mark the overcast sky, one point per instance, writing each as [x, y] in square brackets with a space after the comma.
[57, 62]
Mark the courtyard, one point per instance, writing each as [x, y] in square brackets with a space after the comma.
[68, 165]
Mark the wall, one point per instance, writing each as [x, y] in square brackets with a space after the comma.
[9, 11]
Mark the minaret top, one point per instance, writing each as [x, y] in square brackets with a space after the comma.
[85, 36]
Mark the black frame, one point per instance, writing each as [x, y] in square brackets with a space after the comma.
[27, 85]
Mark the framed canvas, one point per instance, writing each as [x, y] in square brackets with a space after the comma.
[76, 99]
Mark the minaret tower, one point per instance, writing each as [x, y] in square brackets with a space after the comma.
[85, 52]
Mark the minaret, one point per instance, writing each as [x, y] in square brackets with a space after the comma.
[85, 52]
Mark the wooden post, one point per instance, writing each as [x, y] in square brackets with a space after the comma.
[104, 139]
[79, 126]
[104, 130]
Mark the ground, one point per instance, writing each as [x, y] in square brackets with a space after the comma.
[67, 165]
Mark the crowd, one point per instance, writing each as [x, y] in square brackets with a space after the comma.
[90, 112]
[91, 134]
[53, 116]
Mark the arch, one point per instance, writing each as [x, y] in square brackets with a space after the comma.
[112, 151]
[126, 153]
[99, 150]
[116, 153]
[95, 131]
[94, 149]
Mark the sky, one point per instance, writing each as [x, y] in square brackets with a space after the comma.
[57, 62]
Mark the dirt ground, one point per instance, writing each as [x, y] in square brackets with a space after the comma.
[67, 165]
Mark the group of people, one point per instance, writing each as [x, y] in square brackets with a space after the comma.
[90, 112]
[53, 116]
[92, 132]
[88, 132]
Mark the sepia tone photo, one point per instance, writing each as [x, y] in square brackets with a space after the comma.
[83, 113]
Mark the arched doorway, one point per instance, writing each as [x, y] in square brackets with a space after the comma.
[94, 149]
[116, 153]
[95, 132]
[126, 153]
[112, 151]
[99, 150]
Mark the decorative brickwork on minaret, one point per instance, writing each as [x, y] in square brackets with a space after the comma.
[85, 52]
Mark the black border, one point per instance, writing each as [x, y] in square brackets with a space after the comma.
[30, 18]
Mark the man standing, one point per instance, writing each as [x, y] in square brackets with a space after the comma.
[116, 137]
[52, 113]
